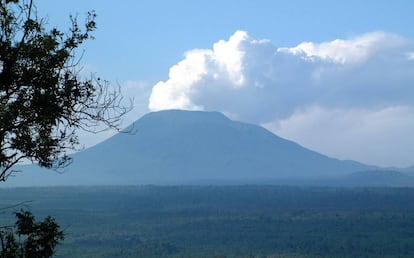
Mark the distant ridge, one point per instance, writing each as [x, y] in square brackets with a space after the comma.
[378, 178]
[181, 147]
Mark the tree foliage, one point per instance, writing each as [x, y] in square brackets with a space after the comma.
[30, 238]
[43, 99]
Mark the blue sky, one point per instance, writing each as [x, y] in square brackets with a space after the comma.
[138, 42]
[146, 37]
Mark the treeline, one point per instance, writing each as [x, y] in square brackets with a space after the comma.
[228, 221]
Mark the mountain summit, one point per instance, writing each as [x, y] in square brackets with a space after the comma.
[178, 147]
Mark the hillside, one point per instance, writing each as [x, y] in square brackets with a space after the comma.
[190, 147]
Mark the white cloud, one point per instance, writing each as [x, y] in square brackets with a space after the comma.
[380, 136]
[354, 50]
[198, 74]
[252, 80]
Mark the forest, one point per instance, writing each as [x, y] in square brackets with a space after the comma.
[223, 221]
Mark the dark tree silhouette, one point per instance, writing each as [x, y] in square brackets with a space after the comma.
[43, 99]
[30, 238]
[44, 102]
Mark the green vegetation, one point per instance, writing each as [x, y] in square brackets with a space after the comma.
[44, 101]
[30, 238]
[226, 221]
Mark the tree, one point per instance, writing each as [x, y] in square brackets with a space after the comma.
[34, 238]
[44, 101]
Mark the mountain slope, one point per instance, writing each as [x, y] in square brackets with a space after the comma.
[378, 178]
[188, 146]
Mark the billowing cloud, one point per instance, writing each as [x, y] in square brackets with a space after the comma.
[331, 82]
[377, 136]
[356, 50]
